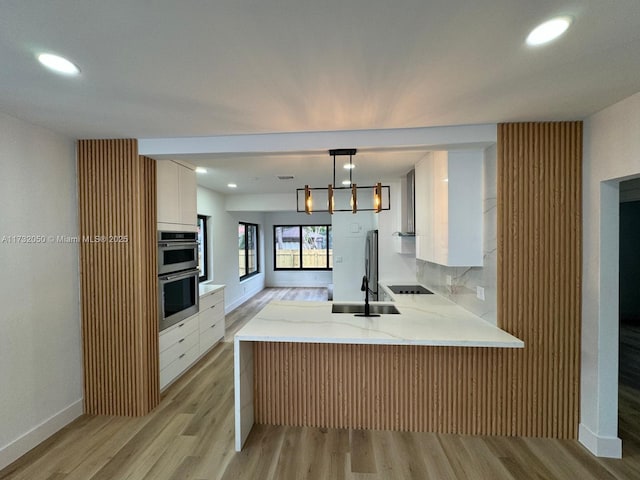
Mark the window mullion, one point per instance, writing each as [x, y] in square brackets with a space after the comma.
[326, 247]
[300, 267]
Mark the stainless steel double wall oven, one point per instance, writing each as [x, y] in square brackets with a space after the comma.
[177, 277]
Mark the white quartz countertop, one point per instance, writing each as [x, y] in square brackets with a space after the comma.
[208, 289]
[432, 321]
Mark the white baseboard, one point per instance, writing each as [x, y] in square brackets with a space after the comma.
[21, 445]
[608, 447]
[307, 284]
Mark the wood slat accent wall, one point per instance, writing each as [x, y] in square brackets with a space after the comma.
[530, 392]
[540, 267]
[117, 197]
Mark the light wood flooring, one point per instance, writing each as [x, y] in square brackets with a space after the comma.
[629, 364]
[190, 436]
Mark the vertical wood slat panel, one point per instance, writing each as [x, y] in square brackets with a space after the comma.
[117, 197]
[528, 392]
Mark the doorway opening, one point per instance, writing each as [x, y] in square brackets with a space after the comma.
[629, 312]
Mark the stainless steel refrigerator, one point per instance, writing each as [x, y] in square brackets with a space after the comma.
[371, 263]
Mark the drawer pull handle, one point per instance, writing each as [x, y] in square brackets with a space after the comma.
[180, 325]
[181, 340]
[182, 355]
[213, 325]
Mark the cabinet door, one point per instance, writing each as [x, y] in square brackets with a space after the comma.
[424, 208]
[449, 208]
[167, 191]
[212, 324]
[465, 208]
[440, 205]
[188, 196]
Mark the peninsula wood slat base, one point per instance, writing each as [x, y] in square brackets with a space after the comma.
[385, 387]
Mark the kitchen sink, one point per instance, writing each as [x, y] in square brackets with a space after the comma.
[409, 289]
[359, 308]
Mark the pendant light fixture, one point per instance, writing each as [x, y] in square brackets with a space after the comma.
[330, 201]
[354, 198]
[308, 200]
[378, 198]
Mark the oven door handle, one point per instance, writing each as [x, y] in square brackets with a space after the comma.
[177, 244]
[188, 273]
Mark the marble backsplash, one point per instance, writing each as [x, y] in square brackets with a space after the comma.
[459, 283]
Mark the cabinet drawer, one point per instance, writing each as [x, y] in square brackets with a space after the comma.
[211, 336]
[211, 300]
[179, 365]
[176, 332]
[211, 317]
[177, 349]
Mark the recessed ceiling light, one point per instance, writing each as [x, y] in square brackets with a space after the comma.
[548, 31]
[232, 185]
[58, 64]
[349, 166]
[346, 182]
[201, 170]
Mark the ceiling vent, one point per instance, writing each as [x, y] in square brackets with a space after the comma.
[285, 177]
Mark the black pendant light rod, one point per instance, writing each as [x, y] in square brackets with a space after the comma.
[343, 151]
[334, 170]
[350, 170]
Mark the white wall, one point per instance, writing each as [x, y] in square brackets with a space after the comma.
[267, 202]
[288, 278]
[222, 230]
[611, 154]
[40, 340]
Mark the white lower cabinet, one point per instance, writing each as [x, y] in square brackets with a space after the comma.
[211, 319]
[178, 366]
[178, 347]
[184, 343]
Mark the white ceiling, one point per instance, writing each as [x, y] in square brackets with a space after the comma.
[258, 173]
[192, 68]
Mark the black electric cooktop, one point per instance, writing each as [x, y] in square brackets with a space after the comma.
[409, 289]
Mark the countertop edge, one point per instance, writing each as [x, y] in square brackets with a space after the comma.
[209, 289]
[356, 341]
[275, 325]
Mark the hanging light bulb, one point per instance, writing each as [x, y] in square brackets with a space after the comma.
[308, 200]
[354, 198]
[377, 198]
[330, 204]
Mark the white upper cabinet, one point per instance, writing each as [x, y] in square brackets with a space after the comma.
[177, 196]
[449, 208]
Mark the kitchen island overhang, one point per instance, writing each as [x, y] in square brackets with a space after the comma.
[338, 360]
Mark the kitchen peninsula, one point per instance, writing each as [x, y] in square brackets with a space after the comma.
[296, 363]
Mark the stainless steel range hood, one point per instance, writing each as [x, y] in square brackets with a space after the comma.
[408, 211]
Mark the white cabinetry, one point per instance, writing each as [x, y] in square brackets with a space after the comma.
[449, 208]
[211, 320]
[177, 196]
[179, 348]
[184, 343]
